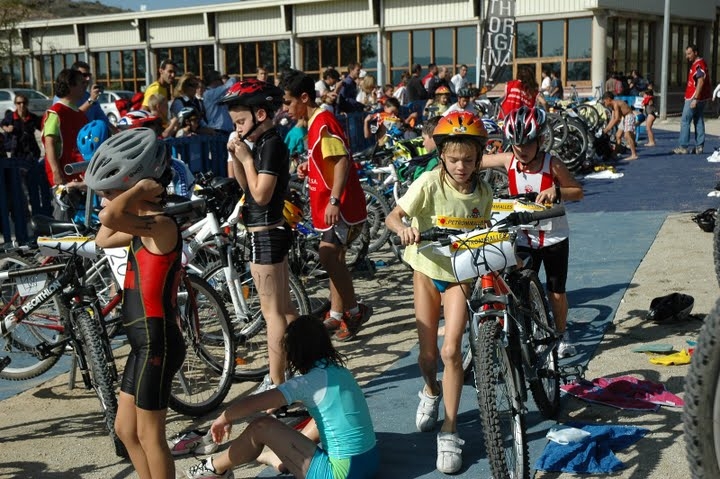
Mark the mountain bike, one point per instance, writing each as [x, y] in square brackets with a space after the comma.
[511, 332]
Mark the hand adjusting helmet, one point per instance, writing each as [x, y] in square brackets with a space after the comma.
[460, 124]
[126, 158]
[524, 125]
[186, 113]
[254, 94]
[90, 137]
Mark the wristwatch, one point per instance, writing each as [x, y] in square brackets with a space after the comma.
[334, 201]
[90, 100]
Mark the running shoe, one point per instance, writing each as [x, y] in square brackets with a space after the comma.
[195, 441]
[426, 415]
[205, 470]
[351, 325]
[679, 150]
[566, 349]
[449, 452]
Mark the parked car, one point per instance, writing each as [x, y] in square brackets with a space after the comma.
[39, 102]
[107, 101]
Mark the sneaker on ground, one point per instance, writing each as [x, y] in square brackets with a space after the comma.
[205, 470]
[449, 452]
[679, 150]
[566, 349]
[196, 442]
[715, 157]
[699, 150]
[265, 385]
[427, 410]
[351, 325]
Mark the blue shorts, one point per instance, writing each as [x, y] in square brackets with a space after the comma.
[362, 466]
[441, 286]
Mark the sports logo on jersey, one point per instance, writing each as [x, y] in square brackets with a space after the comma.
[462, 223]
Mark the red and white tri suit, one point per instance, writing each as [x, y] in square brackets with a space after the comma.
[522, 182]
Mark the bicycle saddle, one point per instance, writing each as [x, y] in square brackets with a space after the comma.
[48, 226]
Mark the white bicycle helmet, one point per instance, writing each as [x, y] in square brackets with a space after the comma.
[126, 158]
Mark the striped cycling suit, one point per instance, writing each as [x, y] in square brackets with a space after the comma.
[150, 319]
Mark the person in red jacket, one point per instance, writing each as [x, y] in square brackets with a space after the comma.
[337, 201]
[522, 91]
[697, 93]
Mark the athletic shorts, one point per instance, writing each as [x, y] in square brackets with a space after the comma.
[342, 234]
[628, 123]
[271, 246]
[362, 466]
[156, 354]
[555, 260]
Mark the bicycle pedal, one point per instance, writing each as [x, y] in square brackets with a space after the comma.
[570, 373]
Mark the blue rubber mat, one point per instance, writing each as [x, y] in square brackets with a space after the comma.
[605, 251]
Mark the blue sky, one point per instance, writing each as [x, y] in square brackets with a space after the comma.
[160, 4]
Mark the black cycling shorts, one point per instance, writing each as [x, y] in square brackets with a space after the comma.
[271, 246]
[156, 355]
[555, 258]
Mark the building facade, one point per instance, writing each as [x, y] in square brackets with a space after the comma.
[581, 39]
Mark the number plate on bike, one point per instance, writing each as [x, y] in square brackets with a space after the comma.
[31, 284]
[475, 254]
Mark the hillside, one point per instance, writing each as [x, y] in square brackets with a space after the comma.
[45, 9]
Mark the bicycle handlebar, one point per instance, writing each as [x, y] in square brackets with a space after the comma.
[185, 208]
[76, 168]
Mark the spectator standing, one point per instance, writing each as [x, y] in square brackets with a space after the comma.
[415, 89]
[337, 202]
[88, 103]
[545, 83]
[325, 89]
[522, 91]
[636, 83]
[164, 83]
[697, 93]
[261, 74]
[347, 96]
[366, 93]
[61, 124]
[556, 86]
[610, 83]
[184, 94]
[431, 74]
[463, 102]
[458, 81]
[401, 90]
[19, 127]
[216, 114]
[651, 114]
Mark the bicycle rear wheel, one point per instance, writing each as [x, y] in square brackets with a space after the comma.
[102, 376]
[701, 414]
[42, 327]
[502, 420]
[539, 327]
[205, 377]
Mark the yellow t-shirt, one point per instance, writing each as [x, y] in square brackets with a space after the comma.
[429, 204]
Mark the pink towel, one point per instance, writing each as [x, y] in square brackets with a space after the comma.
[624, 392]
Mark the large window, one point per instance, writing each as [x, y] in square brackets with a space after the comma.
[243, 59]
[448, 47]
[121, 69]
[631, 46]
[319, 53]
[197, 60]
[560, 45]
[51, 65]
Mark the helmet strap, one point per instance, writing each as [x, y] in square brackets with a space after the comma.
[254, 127]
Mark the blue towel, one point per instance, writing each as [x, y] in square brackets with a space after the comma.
[593, 455]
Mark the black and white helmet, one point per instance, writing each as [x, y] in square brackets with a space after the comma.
[125, 159]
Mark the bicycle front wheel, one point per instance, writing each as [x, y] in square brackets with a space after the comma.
[498, 400]
[101, 372]
[701, 414]
[540, 326]
[44, 327]
[205, 377]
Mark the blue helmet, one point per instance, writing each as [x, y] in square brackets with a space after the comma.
[91, 136]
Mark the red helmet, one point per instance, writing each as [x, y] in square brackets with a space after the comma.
[254, 93]
[524, 125]
[137, 119]
[459, 124]
[442, 90]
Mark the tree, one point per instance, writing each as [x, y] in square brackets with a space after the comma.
[12, 13]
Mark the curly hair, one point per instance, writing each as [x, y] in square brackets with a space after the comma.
[306, 343]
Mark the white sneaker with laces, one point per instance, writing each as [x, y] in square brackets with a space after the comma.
[196, 442]
[427, 410]
[566, 349]
[205, 470]
[449, 452]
